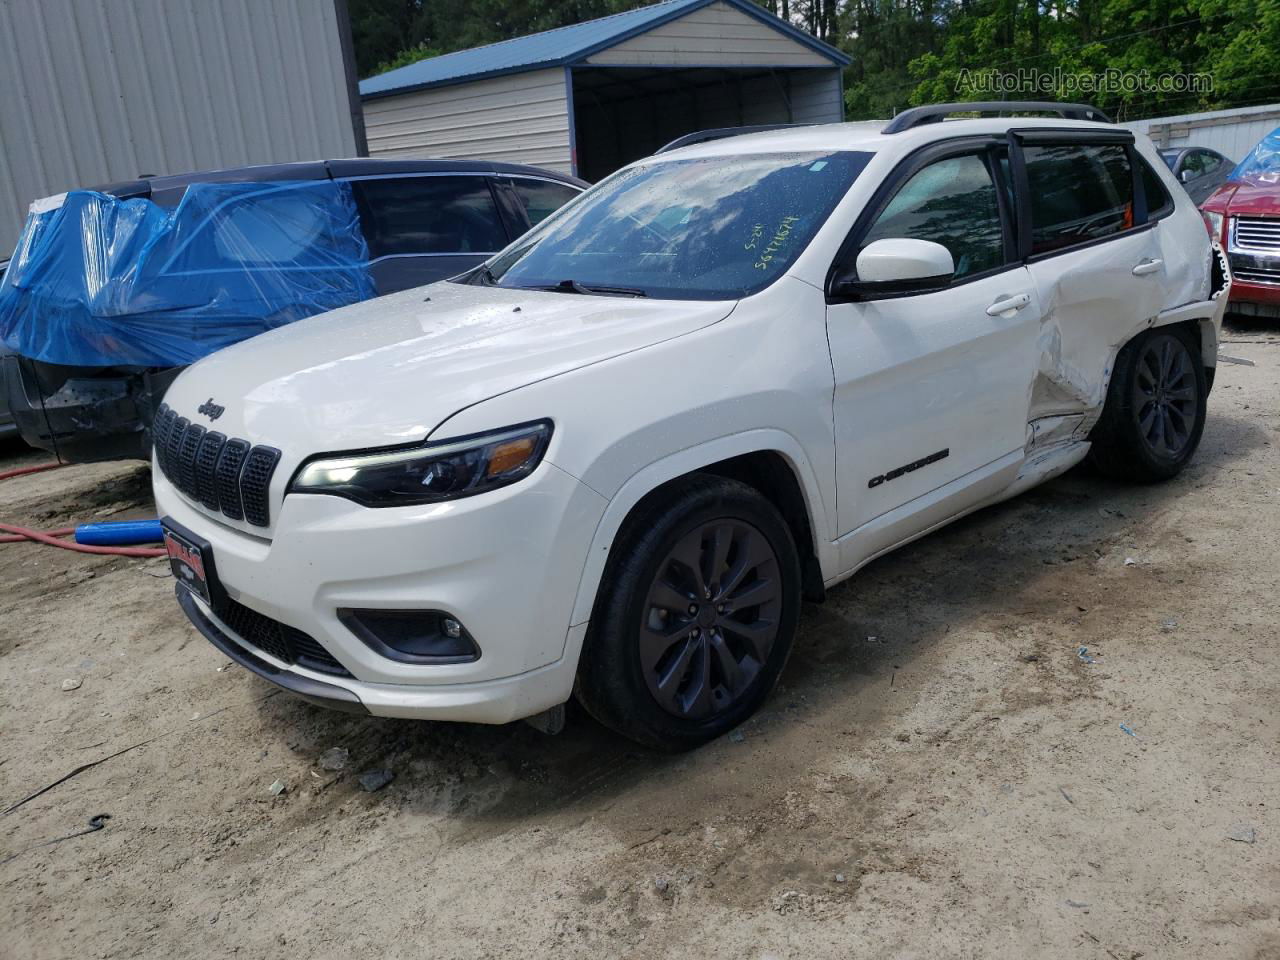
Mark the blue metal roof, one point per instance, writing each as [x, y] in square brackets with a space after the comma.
[564, 46]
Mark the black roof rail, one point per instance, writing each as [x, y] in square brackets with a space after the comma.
[933, 113]
[720, 133]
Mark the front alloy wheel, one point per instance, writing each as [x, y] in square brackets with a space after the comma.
[710, 619]
[695, 614]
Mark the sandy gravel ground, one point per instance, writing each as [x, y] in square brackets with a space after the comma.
[941, 774]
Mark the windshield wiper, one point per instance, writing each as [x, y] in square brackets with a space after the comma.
[573, 286]
[484, 276]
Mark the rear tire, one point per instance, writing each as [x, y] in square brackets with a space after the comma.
[695, 616]
[1155, 410]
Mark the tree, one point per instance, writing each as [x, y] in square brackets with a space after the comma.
[908, 52]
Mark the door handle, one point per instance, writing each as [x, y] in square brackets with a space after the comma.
[1147, 266]
[1008, 304]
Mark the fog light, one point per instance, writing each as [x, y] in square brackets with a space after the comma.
[412, 636]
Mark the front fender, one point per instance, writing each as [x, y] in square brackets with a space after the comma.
[688, 461]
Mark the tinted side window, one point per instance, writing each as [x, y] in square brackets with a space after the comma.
[541, 198]
[1078, 193]
[1158, 200]
[429, 215]
[951, 202]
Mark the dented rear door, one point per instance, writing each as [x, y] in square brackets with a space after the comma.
[1099, 274]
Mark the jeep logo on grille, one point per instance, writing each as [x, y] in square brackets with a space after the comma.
[210, 409]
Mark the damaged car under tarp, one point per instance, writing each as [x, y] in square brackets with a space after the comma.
[101, 281]
[115, 290]
[106, 298]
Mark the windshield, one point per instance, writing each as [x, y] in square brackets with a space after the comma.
[1262, 165]
[1170, 157]
[710, 229]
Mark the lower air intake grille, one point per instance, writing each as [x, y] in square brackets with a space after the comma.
[224, 474]
[283, 642]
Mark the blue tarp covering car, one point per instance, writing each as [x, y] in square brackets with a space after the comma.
[101, 280]
[116, 289]
[1262, 165]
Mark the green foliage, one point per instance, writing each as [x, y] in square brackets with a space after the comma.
[393, 33]
[907, 52]
[407, 56]
[1233, 42]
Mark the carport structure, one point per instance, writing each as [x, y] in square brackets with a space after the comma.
[591, 97]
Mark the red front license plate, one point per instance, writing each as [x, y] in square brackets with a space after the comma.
[189, 563]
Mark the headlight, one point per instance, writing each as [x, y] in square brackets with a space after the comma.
[1213, 221]
[430, 473]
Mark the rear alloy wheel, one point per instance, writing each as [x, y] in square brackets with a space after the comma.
[1165, 396]
[695, 615]
[1155, 408]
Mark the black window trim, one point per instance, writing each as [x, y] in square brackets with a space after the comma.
[1016, 222]
[985, 146]
[1100, 138]
[1165, 209]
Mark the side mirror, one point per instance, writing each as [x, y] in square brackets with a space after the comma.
[1186, 176]
[895, 267]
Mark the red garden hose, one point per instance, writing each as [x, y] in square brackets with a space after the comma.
[60, 532]
[50, 537]
[25, 534]
[38, 468]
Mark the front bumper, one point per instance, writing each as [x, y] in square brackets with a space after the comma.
[506, 564]
[1255, 279]
[1255, 299]
[83, 415]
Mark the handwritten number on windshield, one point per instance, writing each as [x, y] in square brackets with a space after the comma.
[776, 242]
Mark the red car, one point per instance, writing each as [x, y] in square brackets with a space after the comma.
[1244, 214]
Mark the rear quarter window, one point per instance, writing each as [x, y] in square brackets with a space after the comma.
[1159, 202]
[1079, 193]
[420, 215]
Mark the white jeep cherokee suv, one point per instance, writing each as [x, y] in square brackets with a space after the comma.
[611, 462]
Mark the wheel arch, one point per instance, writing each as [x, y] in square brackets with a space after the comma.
[769, 460]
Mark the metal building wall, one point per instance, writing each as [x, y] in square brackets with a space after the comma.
[94, 91]
[518, 118]
[714, 35]
[1232, 133]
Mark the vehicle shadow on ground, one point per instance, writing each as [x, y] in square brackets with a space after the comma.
[1047, 547]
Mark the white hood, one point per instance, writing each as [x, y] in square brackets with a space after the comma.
[389, 370]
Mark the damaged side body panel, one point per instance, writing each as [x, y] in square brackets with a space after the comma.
[1079, 339]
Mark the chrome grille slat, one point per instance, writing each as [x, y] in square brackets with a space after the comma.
[1257, 233]
[1257, 276]
[223, 474]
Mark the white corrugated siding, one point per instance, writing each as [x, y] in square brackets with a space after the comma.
[95, 91]
[1233, 133]
[713, 35]
[519, 118]
[816, 96]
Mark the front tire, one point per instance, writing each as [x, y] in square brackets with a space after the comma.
[695, 616]
[1155, 410]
